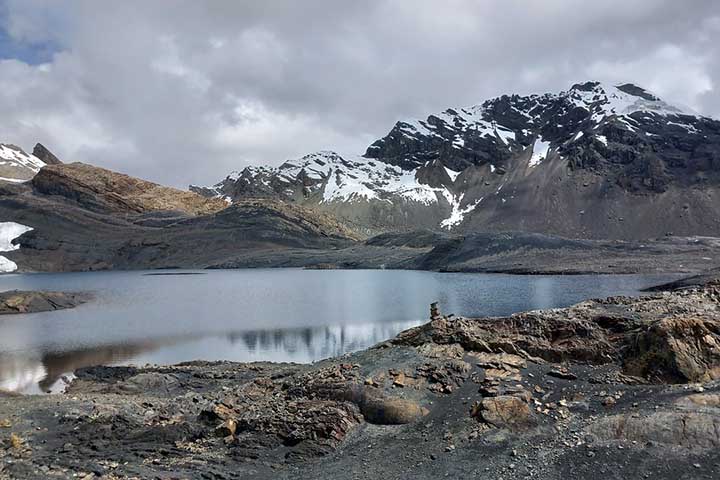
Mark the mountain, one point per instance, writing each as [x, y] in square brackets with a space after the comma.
[16, 165]
[72, 217]
[594, 161]
[100, 189]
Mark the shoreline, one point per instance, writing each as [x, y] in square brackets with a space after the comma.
[539, 393]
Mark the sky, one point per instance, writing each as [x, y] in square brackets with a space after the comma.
[181, 91]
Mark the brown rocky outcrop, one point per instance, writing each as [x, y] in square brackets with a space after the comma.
[667, 338]
[505, 411]
[685, 349]
[101, 189]
[17, 301]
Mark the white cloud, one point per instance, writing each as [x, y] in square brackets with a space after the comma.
[184, 91]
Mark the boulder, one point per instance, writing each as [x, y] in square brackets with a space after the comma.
[505, 411]
[678, 349]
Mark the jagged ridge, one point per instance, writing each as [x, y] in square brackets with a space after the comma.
[536, 163]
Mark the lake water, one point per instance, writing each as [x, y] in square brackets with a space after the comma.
[249, 315]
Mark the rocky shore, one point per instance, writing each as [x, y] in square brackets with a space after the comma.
[617, 388]
[19, 301]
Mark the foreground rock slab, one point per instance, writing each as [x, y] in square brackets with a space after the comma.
[19, 301]
[620, 387]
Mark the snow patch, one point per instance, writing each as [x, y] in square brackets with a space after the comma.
[539, 152]
[15, 155]
[9, 231]
[458, 214]
[452, 173]
[602, 139]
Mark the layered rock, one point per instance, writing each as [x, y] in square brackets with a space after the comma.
[660, 338]
[100, 189]
[17, 301]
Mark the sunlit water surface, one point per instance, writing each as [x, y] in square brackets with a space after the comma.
[250, 315]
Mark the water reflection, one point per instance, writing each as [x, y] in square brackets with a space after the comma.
[255, 315]
[44, 373]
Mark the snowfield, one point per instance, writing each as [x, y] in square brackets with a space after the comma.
[9, 231]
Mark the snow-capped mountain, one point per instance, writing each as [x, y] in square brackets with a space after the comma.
[16, 165]
[597, 160]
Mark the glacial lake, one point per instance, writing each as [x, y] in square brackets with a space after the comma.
[293, 315]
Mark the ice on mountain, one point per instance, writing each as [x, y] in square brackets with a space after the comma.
[9, 231]
[15, 155]
[602, 139]
[539, 152]
[505, 135]
[688, 127]
[457, 215]
[452, 173]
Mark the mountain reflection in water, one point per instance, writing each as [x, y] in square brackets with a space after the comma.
[50, 372]
[255, 315]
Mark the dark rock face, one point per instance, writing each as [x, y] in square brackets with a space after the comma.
[41, 152]
[595, 161]
[625, 134]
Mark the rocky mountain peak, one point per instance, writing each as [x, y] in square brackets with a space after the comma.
[516, 162]
[49, 158]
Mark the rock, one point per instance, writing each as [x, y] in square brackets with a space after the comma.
[227, 428]
[650, 339]
[45, 155]
[399, 380]
[434, 311]
[505, 412]
[500, 360]
[96, 188]
[706, 400]
[676, 349]
[382, 410]
[18, 301]
[562, 373]
[609, 401]
[498, 374]
[693, 429]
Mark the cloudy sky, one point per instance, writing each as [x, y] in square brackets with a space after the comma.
[185, 91]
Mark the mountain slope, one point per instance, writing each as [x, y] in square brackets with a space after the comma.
[16, 165]
[595, 161]
[80, 217]
[99, 188]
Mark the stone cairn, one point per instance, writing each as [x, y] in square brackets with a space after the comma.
[434, 311]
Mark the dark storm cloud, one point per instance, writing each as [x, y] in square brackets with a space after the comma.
[185, 91]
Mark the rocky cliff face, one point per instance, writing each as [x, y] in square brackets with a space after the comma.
[49, 158]
[595, 161]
